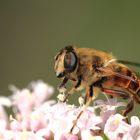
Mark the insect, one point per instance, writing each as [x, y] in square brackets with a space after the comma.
[96, 72]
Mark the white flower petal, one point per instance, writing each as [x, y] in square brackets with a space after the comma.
[5, 101]
[135, 120]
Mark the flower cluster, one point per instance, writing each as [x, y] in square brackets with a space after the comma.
[36, 117]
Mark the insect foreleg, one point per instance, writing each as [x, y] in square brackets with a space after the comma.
[71, 91]
[62, 85]
[137, 97]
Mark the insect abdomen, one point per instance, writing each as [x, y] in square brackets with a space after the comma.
[128, 81]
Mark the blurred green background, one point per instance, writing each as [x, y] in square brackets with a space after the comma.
[32, 32]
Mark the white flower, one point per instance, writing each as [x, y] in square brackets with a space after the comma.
[115, 127]
[86, 135]
[37, 118]
[134, 130]
[23, 101]
[41, 91]
[4, 101]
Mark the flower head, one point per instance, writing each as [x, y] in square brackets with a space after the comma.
[36, 117]
[115, 127]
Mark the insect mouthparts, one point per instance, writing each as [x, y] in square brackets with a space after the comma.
[59, 74]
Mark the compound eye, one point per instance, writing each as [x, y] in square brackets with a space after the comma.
[70, 61]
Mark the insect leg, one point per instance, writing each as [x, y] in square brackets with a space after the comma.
[89, 97]
[62, 85]
[137, 97]
[129, 107]
[62, 88]
[78, 83]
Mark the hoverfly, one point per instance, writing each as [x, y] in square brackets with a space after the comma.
[96, 72]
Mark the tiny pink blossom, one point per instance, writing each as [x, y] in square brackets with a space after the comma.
[69, 137]
[115, 127]
[108, 108]
[3, 125]
[36, 124]
[15, 125]
[87, 135]
[23, 100]
[134, 130]
[7, 135]
[60, 127]
[88, 121]
[27, 135]
[45, 133]
[3, 118]
[38, 118]
[25, 124]
[41, 91]
[5, 101]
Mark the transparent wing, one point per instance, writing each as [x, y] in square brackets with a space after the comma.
[136, 64]
[110, 72]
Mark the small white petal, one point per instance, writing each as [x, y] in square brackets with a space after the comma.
[5, 101]
[135, 120]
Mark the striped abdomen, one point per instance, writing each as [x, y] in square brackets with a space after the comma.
[124, 79]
